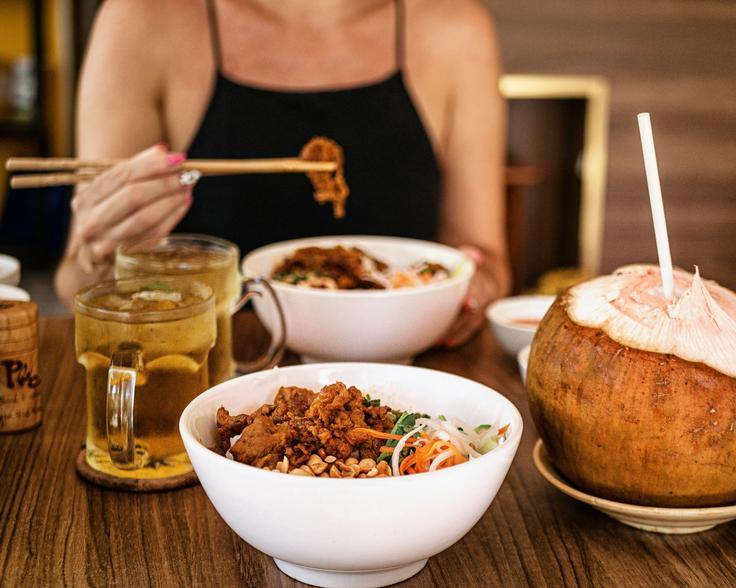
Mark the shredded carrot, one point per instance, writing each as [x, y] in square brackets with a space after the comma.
[425, 450]
[387, 436]
[503, 429]
[423, 456]
[377, 434]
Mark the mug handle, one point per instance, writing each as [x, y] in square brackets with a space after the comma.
[125, 365]
[259, 287]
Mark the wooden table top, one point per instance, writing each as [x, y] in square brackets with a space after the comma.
[58, 529]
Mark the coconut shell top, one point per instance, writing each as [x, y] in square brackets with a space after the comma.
[623, 414]
[698, 324]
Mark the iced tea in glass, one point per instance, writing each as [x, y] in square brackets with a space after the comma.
[144, 345]
[212, 261]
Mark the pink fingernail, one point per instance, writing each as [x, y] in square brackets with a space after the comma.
[188, 197]
[174, 159]
[162, 145]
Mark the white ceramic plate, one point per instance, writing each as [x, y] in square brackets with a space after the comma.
[647, 518]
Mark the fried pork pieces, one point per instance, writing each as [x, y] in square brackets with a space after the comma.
[349, 268]
[343, 265]
[299, 423]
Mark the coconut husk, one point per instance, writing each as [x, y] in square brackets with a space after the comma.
[629, 425]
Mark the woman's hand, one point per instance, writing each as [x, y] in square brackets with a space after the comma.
[142, 196]
[490, 282]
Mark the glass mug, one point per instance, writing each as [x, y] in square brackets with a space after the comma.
[144, 346]
[215, 262]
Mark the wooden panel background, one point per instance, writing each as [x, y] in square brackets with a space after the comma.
[675, 59]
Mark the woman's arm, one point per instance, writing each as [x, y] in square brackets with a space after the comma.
[473, 205]
[118, 115]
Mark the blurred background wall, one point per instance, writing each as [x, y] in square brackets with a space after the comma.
[675, 59]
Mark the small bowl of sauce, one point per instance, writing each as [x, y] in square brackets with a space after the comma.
[515, 319]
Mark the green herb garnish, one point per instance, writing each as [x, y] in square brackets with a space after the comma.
[404, 423]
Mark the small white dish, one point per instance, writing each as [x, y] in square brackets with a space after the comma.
[349, 532]
[647, 518]
[364, 325]
[9, 270]
[522, 360]
[514, 320]
[13, 293]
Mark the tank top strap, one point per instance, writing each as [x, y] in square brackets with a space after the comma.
[214, 34]
[399, 33]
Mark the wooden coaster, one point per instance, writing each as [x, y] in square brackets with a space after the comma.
[132, 484]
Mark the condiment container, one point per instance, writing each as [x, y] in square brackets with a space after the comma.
[20, 394]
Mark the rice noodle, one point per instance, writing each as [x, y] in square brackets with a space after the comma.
[462, 440]
[439, 459]
[399, 448]
[463, 436]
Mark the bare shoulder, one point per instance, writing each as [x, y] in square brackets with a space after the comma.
[456, 28]
[147, 26]
[125, 17]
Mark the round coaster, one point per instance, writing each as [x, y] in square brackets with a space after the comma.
[132, 484]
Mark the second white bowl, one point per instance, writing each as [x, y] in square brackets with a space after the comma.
[365, 325]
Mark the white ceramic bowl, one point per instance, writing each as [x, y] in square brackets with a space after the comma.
[352, 532]
[501, 316]
[13, 293]
[9, 270]
[522, 360]
[365, 325]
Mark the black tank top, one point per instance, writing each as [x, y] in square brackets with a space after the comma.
[389, 162]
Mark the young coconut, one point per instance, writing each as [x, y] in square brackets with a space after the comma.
[635, 396]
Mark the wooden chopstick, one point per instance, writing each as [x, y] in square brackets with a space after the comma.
[91, 168]
[282, 164]
[55, 163]
[45, 180]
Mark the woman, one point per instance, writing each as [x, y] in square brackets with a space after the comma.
[409, 89]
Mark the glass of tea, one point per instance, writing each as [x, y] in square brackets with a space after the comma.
[215, 262]
[144, 345]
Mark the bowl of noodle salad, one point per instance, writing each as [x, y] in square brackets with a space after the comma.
[449, 445]
[362, 298]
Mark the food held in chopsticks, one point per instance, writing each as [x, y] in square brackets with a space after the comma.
[342, 433]
[329, 186]
[350, 268]
[321, 159]
[634, 394]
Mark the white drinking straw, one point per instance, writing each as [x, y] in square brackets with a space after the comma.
[655, 200]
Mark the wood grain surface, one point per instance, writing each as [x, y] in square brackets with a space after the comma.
[58, 530]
